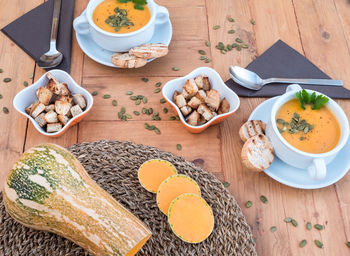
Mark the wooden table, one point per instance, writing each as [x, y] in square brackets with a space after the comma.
[318, 29]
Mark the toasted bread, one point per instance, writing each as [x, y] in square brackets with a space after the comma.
[257, 153]
[205, 111]
[51, 117]
[55, 127]
[79, 100]
[180, 101]
[206, 84]
[185, 110]
[29, 108]
[63, 119]
[40, 120]
[186, 95]
[194, 102]
[37, 109]
[201, 94]
[193, 119]
[127, 60]
[62, 107]
[213, 99]
[224, 107]
[149, 51]
[44, 95]
[76, 110]
[67, 98]
[50, 107]
[56, 87]
[251, 128]
[191, 87]
[175, 94]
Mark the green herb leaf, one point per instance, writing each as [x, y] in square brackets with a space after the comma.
[320, 101]
[300, 98]
[302, 243]
[313, 98]
[231, 19]
[25, 83]
[7, 80]
[136, 113]
[162, 101]
[252, 21]
[157, 90]
[306, 97]
[232, 31]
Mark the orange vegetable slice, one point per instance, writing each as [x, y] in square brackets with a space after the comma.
[191, 218]
[173, 187]
[153, 172]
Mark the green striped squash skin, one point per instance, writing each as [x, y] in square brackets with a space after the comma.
[48, 189]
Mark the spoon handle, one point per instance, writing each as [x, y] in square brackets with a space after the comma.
[55, 23]
[304, 81]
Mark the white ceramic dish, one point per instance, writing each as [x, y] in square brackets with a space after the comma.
[162, 34]
[299, 178]
[216, 82]
[115, 42]
[28, 96]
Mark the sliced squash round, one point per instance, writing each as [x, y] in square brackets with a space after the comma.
[173, 187]
[191, 218]
[153, 172]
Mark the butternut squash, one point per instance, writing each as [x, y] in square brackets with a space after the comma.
[153, 172]
[173, 187]
[48, 189]
[191, 218]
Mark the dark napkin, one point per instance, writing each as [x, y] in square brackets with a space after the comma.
[282, 61]
[32, 31]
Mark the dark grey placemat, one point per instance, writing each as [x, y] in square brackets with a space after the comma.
[113, 165]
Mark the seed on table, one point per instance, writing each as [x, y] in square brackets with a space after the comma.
[136, 113]
[226, 184]
[140, 97]
[94, 93]
[178, 146]
[263, 199]
[302, 243]
[150, 111]
[145, 79]
[238, 40]
[348, 244]
[129, 93]
[177, 118]
[234, 45]
[248, 204]
[288, 219]
[319, 244]
[165, 110]
[106, 96]
[1, 96]
[252, 21]
[223, 51]
[128, 116]
[133, 97]
[25, 83]
[231, 19]
[144, 110]
[207, 60]
[158, 84]
[122, 110]
[229, 47]
[146, 125]
[162, 101]
[245, 46]
[5, 110]
[294, 223]
[238, 48]
[31, 75]
[145, 100]
[157, 131]
[172, 118]
[318, 226]
[1, 70]
[308, 226]
[203, 58]
[207, 43]
[7, 80]
[273, 229]
[157, 90]
[138, 102]
[201, 52]
[232, 31]
[114, 103]
[175, 69]
[216, 27]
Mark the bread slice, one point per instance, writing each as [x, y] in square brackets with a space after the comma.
[50, 107]
[63, 119]
[62, 107]
[186, 95]
[205, 111]
[203, 82]
[40, 120]
[185, 110]
[175, 94]
[224, 107]
[51, 117]
[213, 99]
[201, 94]
[194, 102]
[76, 110]
[191, 87]
[29, 108]
[66, 98]
[127, 60]
[55, 127]
[37, 109]
[180, 101]
[149, 51]
[193, 119]
[257, 153]
[44, 95]
[79, 100]
[251, 128]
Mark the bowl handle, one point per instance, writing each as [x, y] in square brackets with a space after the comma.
[81, 24]
[162, 15]
[293, 87]
[317, 170]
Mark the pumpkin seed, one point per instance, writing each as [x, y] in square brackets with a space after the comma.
[302, 138]
[25, 83]
[175, 69]
[201, 52]
[122, 110]
[150, 111]
[1, 96]
[158, 84]
[165, 110]
[145, 100]
[129, 93]
[128, 116]
[216, 27]
[144, 110]
[138, 102]
[145, 79]
[231, 19]
[226, 184]
[308, 226]
[94, 93]
[31, 75]
[280, 130]
[146, 125]
[136, 113]
[157, 90]
[302, 243]
[140, 97]
[207, 43]
[245, 46]
[348, 244]
[288, 219]
[162, 101]
[318, 226]
[248, 204]
[319, 244]
[223, 51]
[294, 223]
[234, 45]
[229, 47]
[238, 40]
[273, 229]
[263, 199]
[177, 118]
[238, 48]
[5, 110]
[7, 80]
[114, 103]
[157, 131]
[280, 121]
[172, 118]
[178, 146]
[207, 60]
[252, 21]
[1, 70]
[203, 58]
[106, 96]
[232, 31]
[133, 97]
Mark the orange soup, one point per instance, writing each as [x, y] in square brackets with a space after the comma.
[104, 16]
[312, 131]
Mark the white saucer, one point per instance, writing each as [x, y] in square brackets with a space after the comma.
[162, 34]
[299, 178]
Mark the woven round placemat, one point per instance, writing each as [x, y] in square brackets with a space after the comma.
[113, 165]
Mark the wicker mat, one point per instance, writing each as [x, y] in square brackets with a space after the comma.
[114, 165]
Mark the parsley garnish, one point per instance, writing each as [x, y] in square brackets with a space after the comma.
[305, 98]
[138, 4]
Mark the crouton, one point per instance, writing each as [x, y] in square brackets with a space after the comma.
[193, 119]
[186, 110]
[201, 94]
[224, 107]
[55, 127]
[205, 112]
[186, 95]
[206, 83]
[51, 117]
[213, 99]
[191, 87]
[29, 108]
[66, 98]
[40, 120]
[63, 119]
[56, 87]
[76, 110]
[79, 100]
[180, 101]
[199, 82]
[62, 108]
[202, 120]
[44, 95]
[175, 94]
[50, 107]
[194, 102]
[37, 109]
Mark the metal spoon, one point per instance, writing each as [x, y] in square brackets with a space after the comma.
[252, 81]
[53, 58]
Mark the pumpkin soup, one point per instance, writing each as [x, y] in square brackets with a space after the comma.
[309, 130]
[116, 17]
